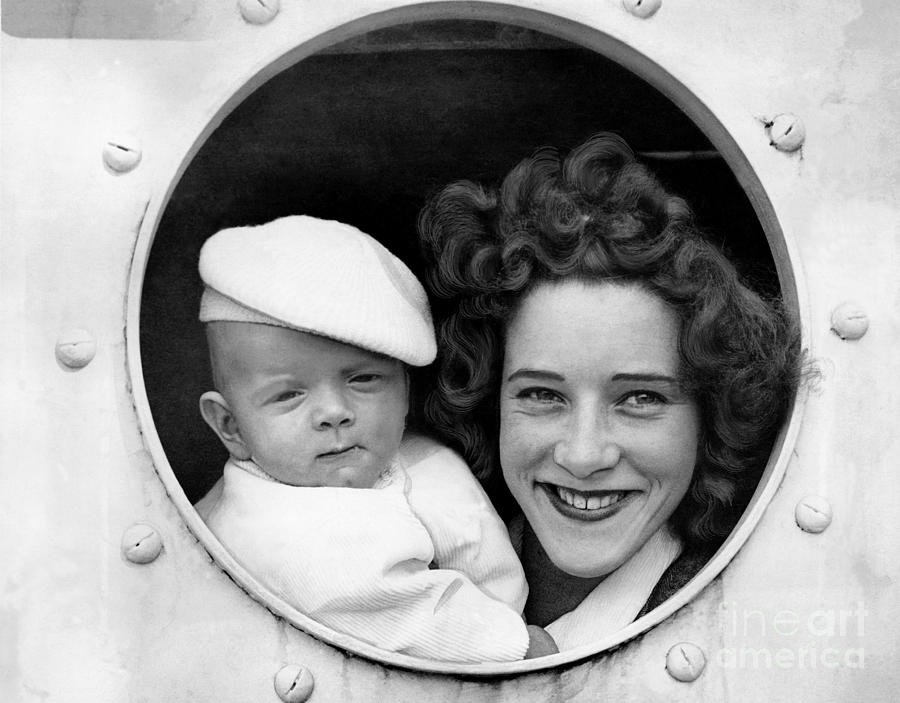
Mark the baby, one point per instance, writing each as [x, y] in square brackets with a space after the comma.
[367, 528]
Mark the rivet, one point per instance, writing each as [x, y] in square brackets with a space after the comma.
[141, 543]
[642, 8]
[75, 348]
[813, 514]
[121, 153]
[849, 321]
[685, 661]
[259, 11]
[786, 132]
[294, 683]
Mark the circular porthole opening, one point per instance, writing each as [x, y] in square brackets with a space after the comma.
[363, 132]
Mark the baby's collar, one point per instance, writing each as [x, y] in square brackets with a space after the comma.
[392, 473]
[251, 467]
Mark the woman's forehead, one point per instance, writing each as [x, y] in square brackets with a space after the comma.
[572, 322]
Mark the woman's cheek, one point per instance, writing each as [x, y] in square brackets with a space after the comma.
[510, 444]
[523, 442]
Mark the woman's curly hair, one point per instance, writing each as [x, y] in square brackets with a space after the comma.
[600, 215]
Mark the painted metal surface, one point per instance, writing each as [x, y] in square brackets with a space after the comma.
[795, 616]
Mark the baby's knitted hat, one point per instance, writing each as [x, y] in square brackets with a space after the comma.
[318, 276]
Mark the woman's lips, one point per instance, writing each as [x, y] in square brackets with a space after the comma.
[586, 505]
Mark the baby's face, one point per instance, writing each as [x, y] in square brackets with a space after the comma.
[312, 411]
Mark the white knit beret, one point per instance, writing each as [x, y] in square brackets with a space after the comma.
[318, 276]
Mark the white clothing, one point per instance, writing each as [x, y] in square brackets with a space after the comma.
[357, 560]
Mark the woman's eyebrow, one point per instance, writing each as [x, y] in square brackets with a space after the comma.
[535, 374]
[658, 377]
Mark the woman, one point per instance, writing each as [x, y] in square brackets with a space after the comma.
[635, 384]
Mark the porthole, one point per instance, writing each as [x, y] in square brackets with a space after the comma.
[361, 125]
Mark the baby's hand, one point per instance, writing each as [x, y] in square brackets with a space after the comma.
[540, 643]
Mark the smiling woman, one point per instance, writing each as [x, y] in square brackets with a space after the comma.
[597, 439]
[635, 383]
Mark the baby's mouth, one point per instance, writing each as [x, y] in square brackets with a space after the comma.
[338, 452]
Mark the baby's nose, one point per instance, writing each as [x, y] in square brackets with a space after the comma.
[332, 410]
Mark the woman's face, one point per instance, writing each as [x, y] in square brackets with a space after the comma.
[597, 439]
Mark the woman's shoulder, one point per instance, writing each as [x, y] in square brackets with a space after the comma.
[680, 571]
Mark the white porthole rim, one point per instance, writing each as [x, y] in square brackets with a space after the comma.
[782, 247]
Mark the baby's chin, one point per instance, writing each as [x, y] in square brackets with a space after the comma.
[354, 467]
[352, 477]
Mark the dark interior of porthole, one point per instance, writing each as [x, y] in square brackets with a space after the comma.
[363, 132]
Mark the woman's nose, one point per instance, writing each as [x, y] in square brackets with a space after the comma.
[589, 446]
[332, 410]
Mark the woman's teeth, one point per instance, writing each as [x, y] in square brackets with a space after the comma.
[588, 502]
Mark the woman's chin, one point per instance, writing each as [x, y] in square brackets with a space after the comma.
[583, 544]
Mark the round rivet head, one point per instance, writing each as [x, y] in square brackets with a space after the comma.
[259, 11]
[642, 8]
[849, 321]
[75, 348]
[294, 683]
[121, 153]
[685, 661]
[813, 514]
[141, 543]
[786, 132]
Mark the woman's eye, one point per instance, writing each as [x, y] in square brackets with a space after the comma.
[643, 399]
[539, 395]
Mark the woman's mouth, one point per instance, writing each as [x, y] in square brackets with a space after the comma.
[586, 505]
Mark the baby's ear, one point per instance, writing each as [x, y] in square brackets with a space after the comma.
[218, 415]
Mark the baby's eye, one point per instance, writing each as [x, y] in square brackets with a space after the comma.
[365, 378]
[285, 396]
[539, 395]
